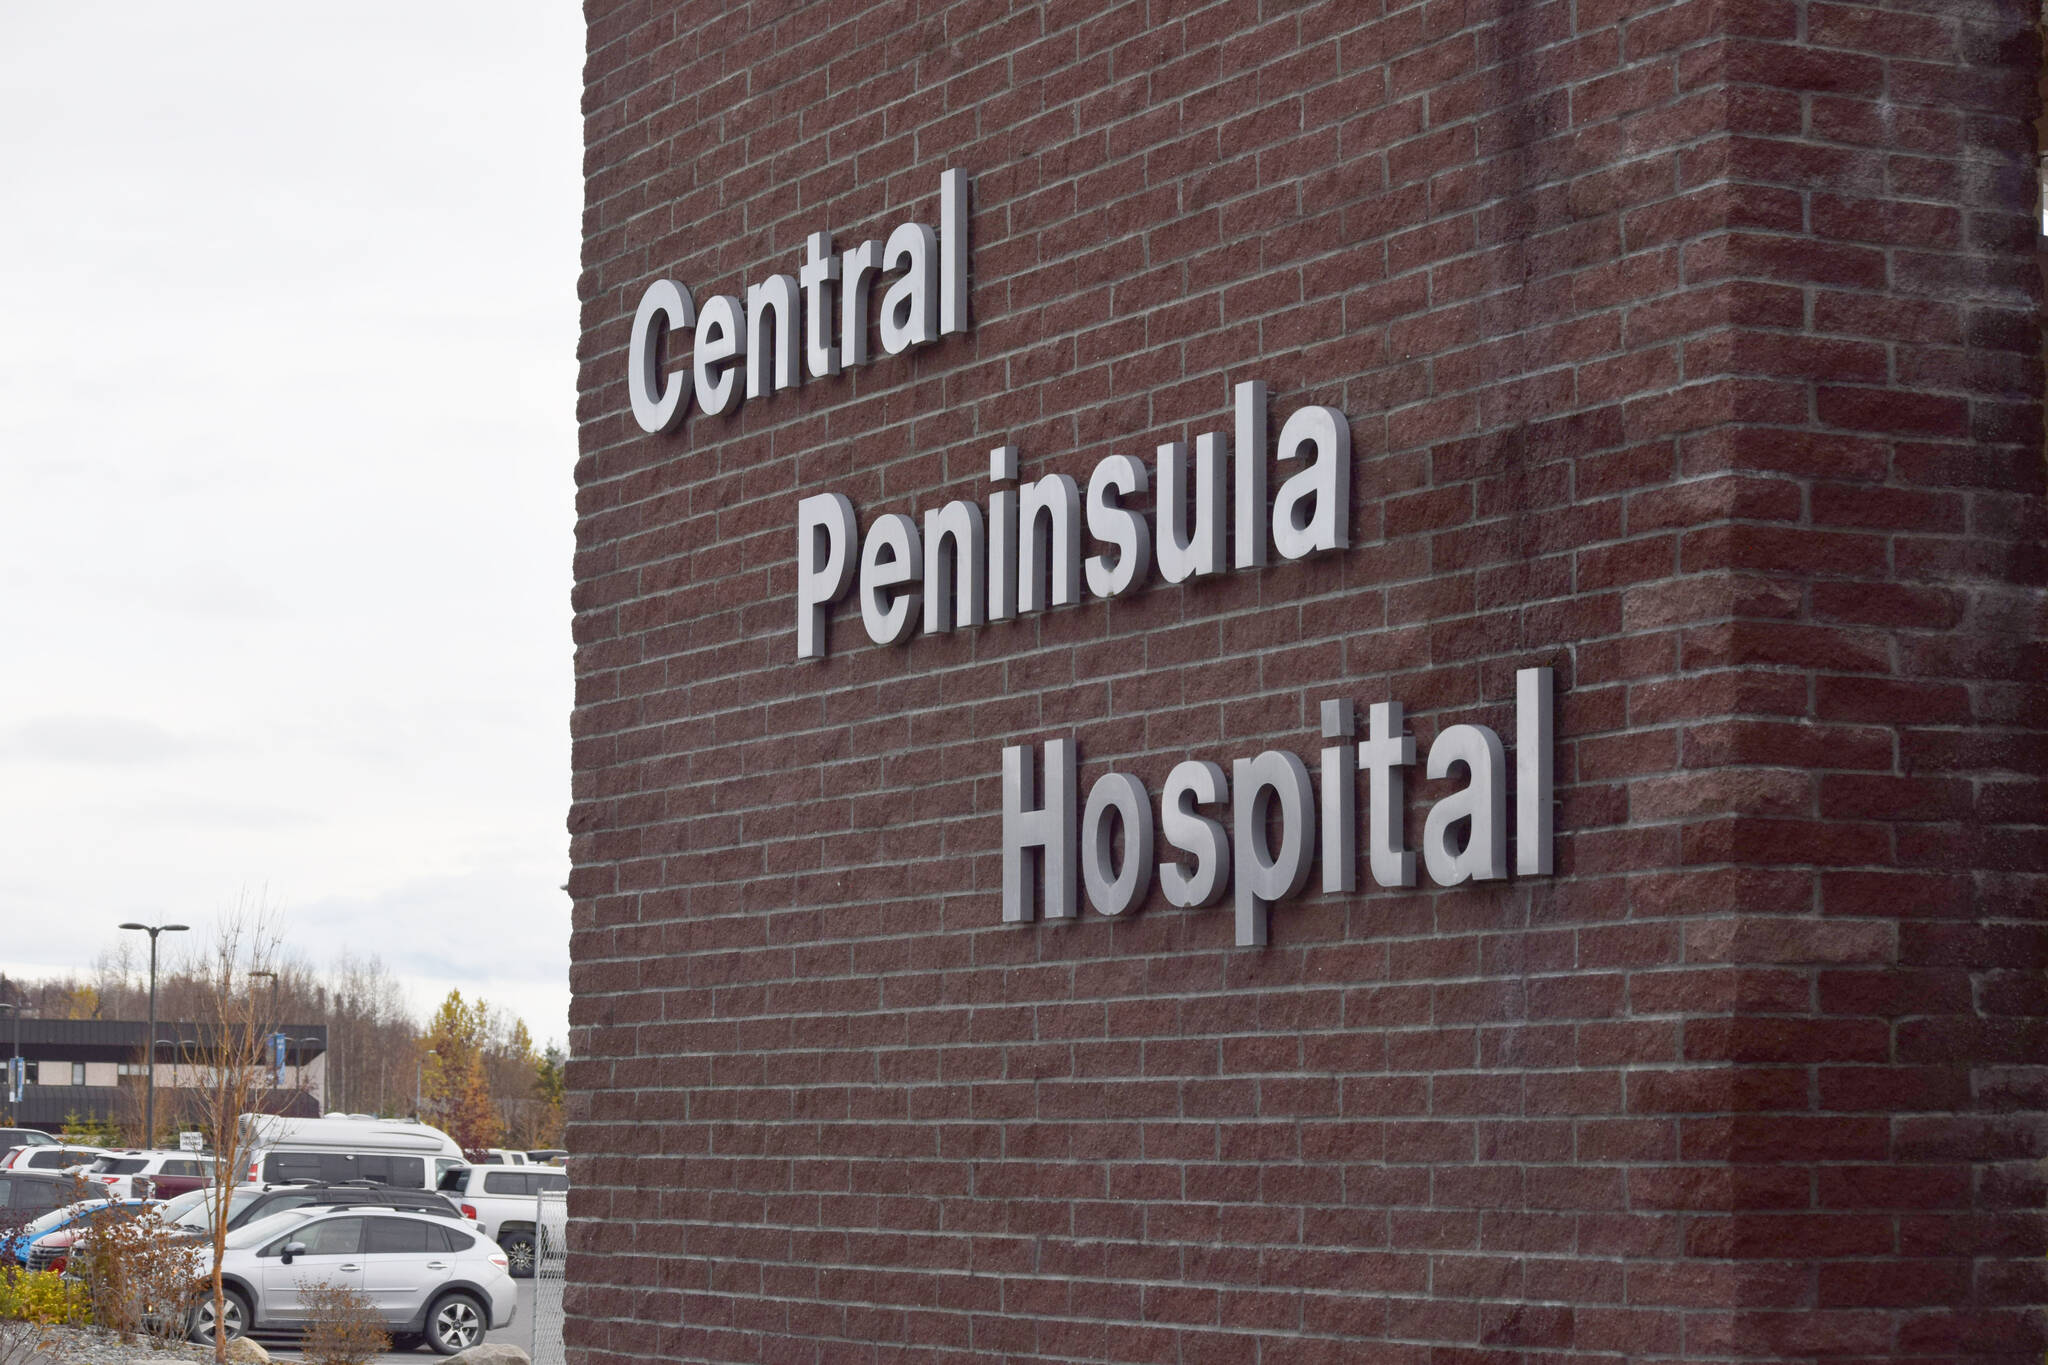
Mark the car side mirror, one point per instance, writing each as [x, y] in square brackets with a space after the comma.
[292, 1249]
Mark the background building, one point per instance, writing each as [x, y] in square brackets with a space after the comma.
[1687, 350]
[94, 1070]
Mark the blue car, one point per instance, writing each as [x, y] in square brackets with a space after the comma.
[19, 1248]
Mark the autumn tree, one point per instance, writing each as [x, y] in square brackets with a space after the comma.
[549, 1085]
[515, 1068]
[455, 1081]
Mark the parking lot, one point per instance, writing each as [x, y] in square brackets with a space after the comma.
[388, 1216]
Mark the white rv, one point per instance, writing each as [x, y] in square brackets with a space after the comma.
[332, 1151]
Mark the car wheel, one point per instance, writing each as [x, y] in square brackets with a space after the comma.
[518, 1254]
[234, 1317]
[455, 1323]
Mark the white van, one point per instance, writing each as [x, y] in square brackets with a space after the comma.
[332, 1151]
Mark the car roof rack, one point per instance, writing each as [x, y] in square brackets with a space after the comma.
[364, 1208]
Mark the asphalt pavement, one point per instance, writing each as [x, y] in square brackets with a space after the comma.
[519, 1334]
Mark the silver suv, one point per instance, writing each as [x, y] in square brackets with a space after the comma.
[502, 1201]
[428, 1279]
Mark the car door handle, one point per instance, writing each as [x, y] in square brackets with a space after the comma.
[348, 1267]
[437, 1265]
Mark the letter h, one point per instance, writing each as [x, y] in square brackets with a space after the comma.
[1039, 840]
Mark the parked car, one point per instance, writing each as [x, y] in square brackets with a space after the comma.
[157, 1174]
[171, 1212]
[176, 1178]
[31, 1194]
[39, 1157]
[501, 1200]
[43, 1243]
[26, 1137]
[427, 1279]
[248, 1203]
[340, 1150]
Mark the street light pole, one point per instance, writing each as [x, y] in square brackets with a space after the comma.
[419, 1103]
[149, 1082]
[340, 1024]
[178, 1052]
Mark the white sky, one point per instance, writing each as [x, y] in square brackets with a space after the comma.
[287, 434]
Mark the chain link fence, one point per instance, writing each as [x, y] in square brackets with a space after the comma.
[550, 1258]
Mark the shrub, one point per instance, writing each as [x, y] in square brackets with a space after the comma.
[137, 1275]
[341, 1327]
[44, 1298]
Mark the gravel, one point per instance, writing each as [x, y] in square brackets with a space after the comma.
[75, 1346]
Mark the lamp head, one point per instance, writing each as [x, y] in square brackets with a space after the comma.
[131, 924]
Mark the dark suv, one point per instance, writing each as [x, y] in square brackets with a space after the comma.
[249, 1202]
[25, 1137]
[25, 1196]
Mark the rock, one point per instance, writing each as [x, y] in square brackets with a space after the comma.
[246, 1352]
[491, 1353]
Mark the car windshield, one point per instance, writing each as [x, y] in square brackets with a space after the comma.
[199, 1213]
[263, 1229]
[173, 1211]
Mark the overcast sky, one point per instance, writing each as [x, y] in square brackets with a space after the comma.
[287, 435]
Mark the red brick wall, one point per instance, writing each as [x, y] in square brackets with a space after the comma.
[1688, 349]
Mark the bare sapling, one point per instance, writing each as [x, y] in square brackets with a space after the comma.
[230, 1075]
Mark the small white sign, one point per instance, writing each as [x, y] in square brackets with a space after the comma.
[191, 1142]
